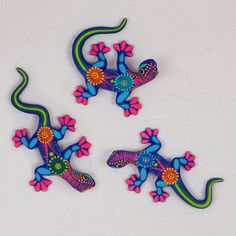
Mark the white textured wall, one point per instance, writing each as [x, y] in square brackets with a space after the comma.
[192, 103]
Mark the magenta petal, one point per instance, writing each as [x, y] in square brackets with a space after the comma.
[123, 45]
[166, 195]
[134, 100]
[133, 177]
[33, 182]
[17, 144]
[85, 152]
[24, 132]
[85, 101]
[71, 122]
[86, 145]
[187, 154]
[137, 106]
[93, 53]
[116, 47]
[79, 99]
[155, 132]
[82, 140]
[149, 131]
[47, 181]
[129, 48]
[80, 88]
[144, 135]
[191, 164]
[44, 187]
[18, 133]
[127, 114]
[71, 128]
[101, 45]
[153, 193]
[37, 187]
[16, 139]
[129, 54]
[106, 49]
[144, 141]
[79, 154]
[129, 181]
[61, 120]
[137, 189]
[95, 47]
[156, 199]
[162, 199]
[131, 188]
[187, 168]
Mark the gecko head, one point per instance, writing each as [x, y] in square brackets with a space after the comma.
[147, 71]
[85, 181]
[119, 159]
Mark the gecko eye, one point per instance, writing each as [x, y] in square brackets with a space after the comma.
[142, 71]
[119, 165]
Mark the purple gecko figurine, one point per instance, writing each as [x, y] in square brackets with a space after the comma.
[167, 172]
[121, 81]
[55, 160]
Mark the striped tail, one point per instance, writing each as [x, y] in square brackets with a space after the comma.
[38, 110]
[77, 53]
[182, 192]
[79, 181]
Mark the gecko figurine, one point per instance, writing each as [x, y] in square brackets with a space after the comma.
[167, 172]
[55, 161]
[121, 81]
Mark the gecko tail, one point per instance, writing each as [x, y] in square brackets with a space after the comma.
[38, 110]
[79, 181]
[77, 53]
[183, 193]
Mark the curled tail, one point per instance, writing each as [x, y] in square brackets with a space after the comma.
[182, 192]
[28, 108]
[77, 53]
[79, 181]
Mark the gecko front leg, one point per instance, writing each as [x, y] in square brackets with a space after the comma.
[134, 183]
[21, 138]
[159, 195]
[39, 183]
[81, 148]
[67, 123]
[150, 136]
[187, 161]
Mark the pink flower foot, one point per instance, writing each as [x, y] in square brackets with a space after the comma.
[40, 186]
[124, 47]
[190, 161]
[148, 134]
[131, 184]
[135, 106]
[19, 134]
[78, 93]
[84, 147]
[100, 47]
[68, 122]
[159, 198]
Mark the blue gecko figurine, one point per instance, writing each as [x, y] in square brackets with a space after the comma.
[167, 172]
[121, 81]
[55, 161]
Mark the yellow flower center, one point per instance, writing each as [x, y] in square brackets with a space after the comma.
[95, 75]
[170, 176]
[45, 135]
[58, 166]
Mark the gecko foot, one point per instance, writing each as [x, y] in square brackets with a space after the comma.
[68, 122]
[159, 198]
[124, 47]
[100, 47]
[132, 186]
[84, 147]
[148, 135]
[135, 106]
[19, 137]
[40, 185]
[78, 93]
[190, 161]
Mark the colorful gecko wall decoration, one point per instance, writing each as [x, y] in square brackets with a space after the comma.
[56, 161]
[168, 173]
[121, 81]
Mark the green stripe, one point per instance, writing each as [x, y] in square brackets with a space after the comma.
[20, 105]
[194, 202]
[92, 32]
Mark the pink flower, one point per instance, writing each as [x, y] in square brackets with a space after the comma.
[135, 106]
[131, 184]
[124, 47]
[67, 121]
[40, 186]
[19, 134]
[147, 134]
[190, 161]
[78, 93]
[96, 48]
[159, 198]
[84, 147]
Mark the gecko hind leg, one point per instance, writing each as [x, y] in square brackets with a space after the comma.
[40, 183]
[131, 107]
[82, 94]
[187, 161]
[159, 195]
